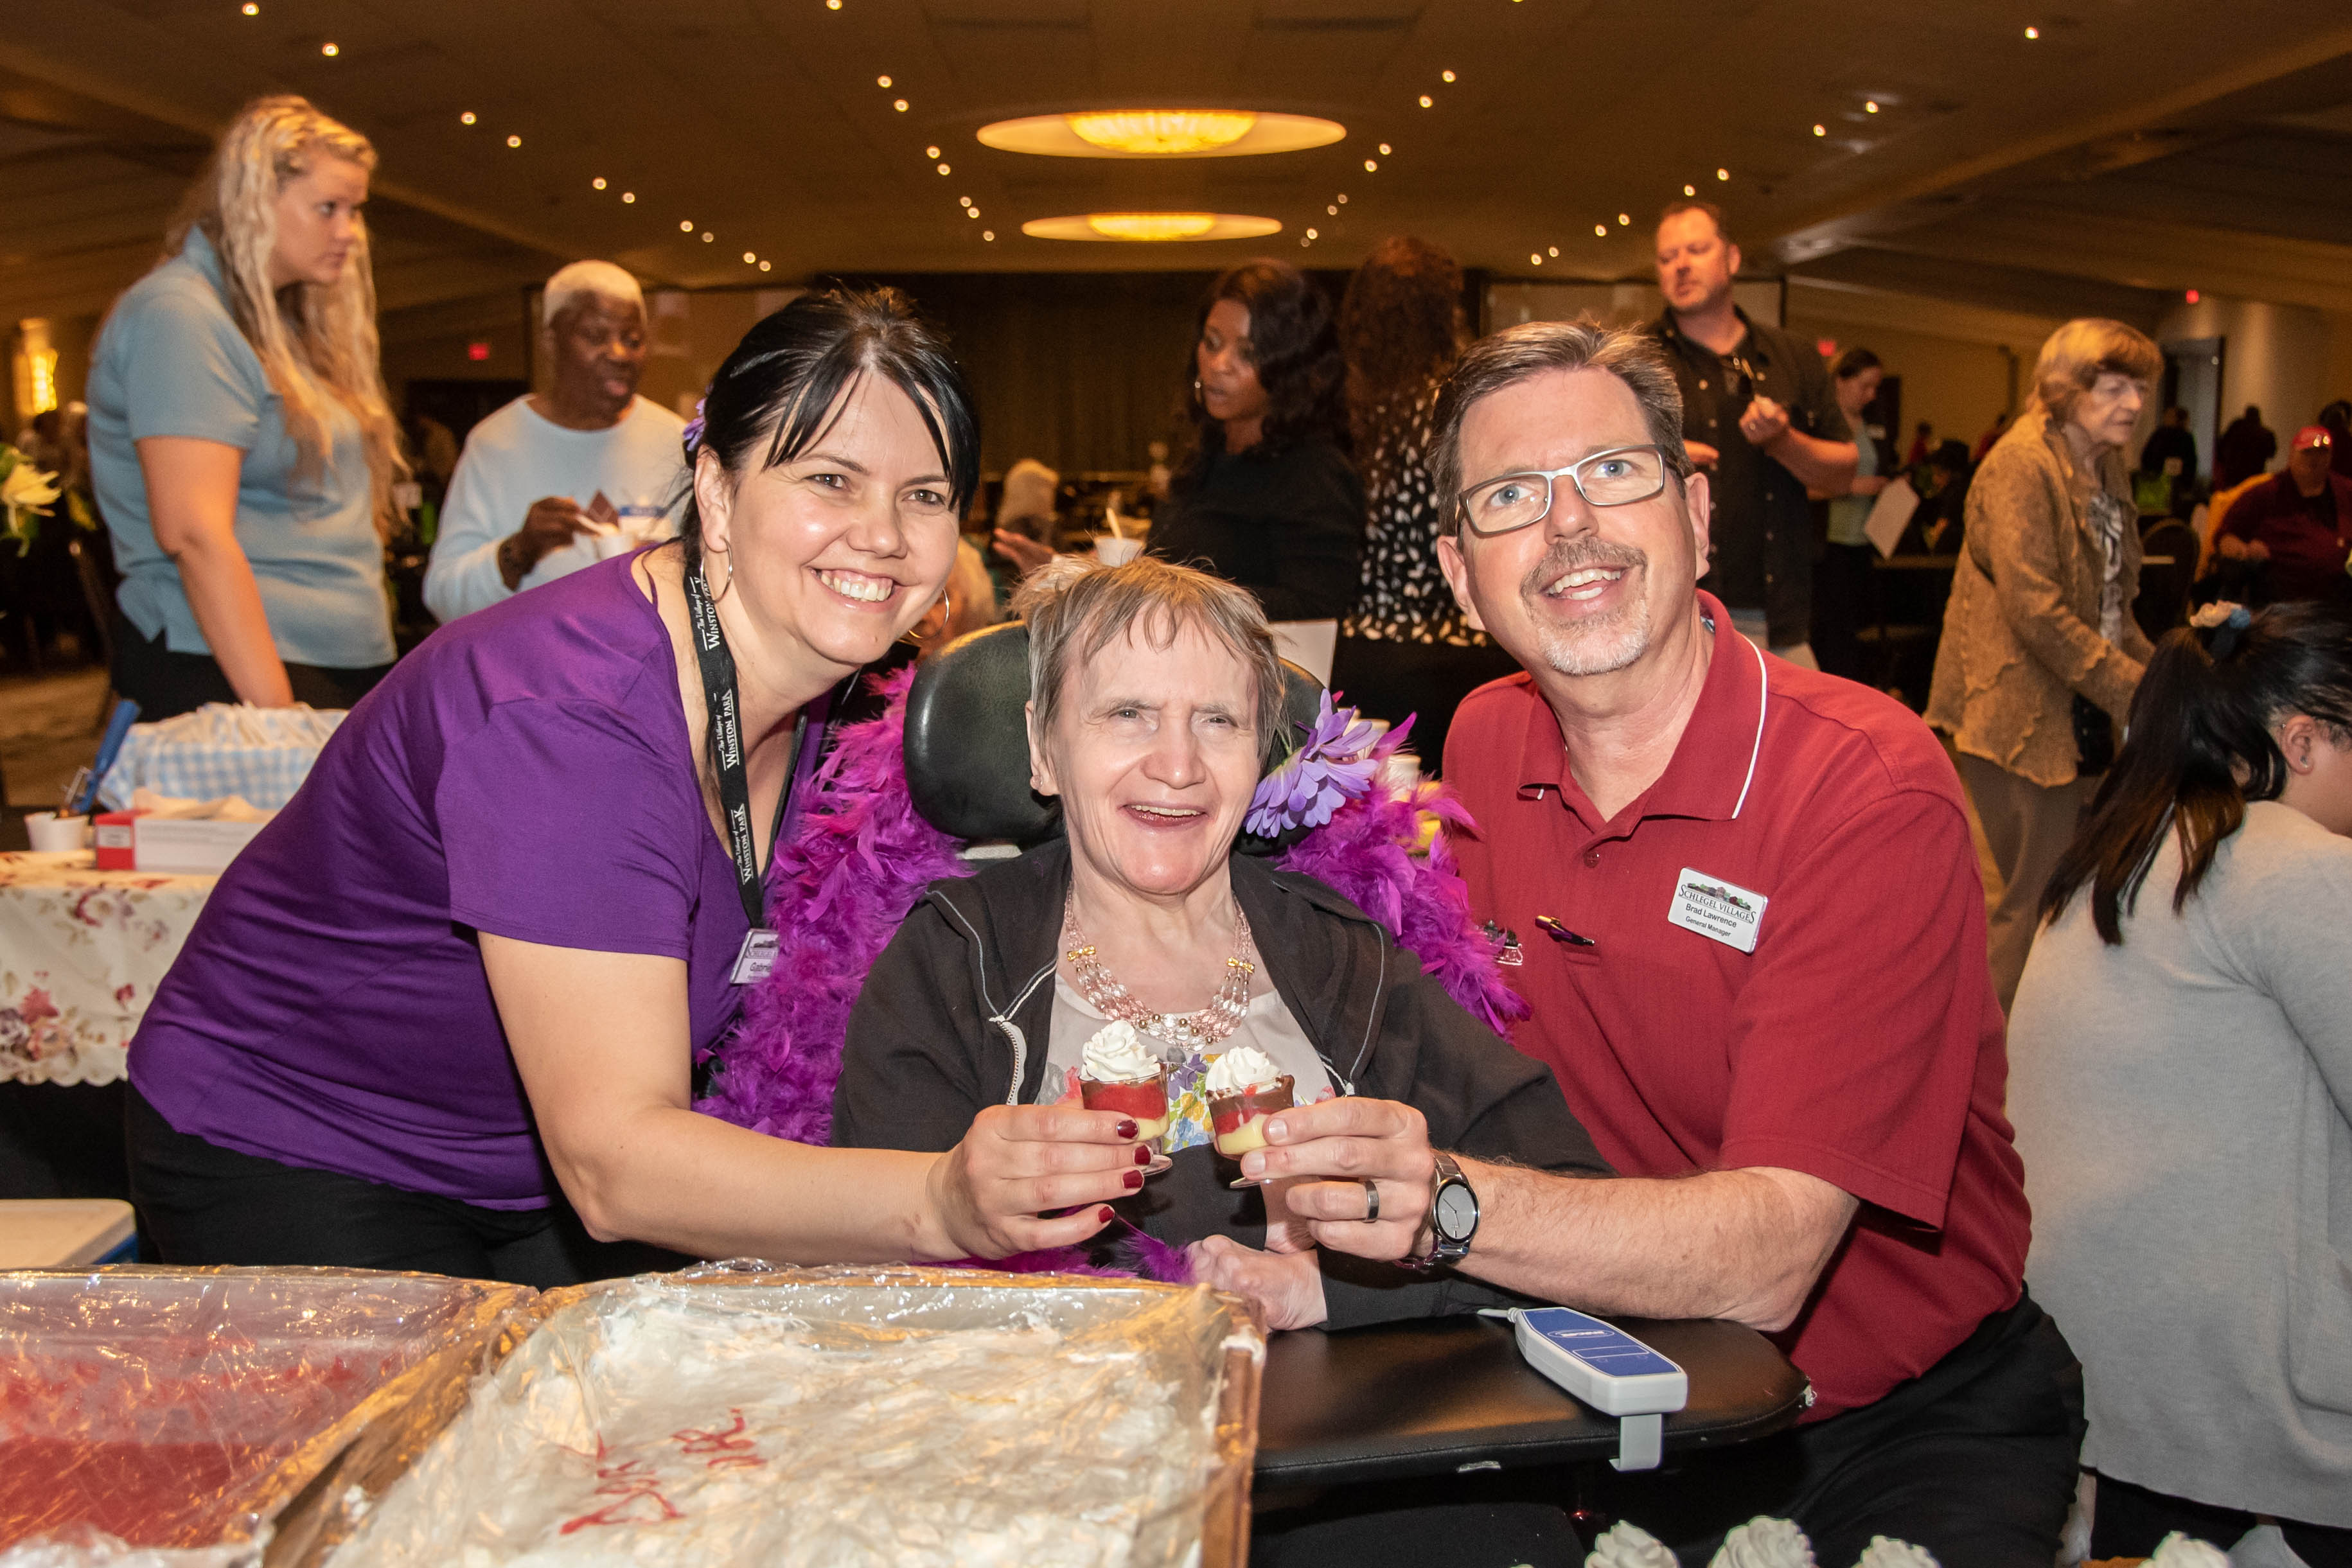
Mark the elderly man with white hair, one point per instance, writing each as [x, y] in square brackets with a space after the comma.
[545, 478]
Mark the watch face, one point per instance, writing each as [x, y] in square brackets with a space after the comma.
[1457, 1212]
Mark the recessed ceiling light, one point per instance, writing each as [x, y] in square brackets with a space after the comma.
[971, 211]
[963, 200]
[1690, 190]
[1427, 100]
[598, 182]
[1343, 198]
[1331, 209]
[766, 265]
[1448, 76]
[1370, 166]
[251, 9]
[708, 236]
[686, 225]
[1722, 173]
[1870, 106]
[1160, 133]
[930, 151]
[1820, 131]
[988, 234]
[2032, 32]
[514, 140]
[1384, 149]
[628, 195]
[1312, 234]
[1600, 229]
[881, 81]
[1623, 219]
[467, 118]
[946, 169]
[833, 4]
[899, 104]
[329, 50]
[1553, 249]
[1536, 256]
[748, 258]
[1152, 227]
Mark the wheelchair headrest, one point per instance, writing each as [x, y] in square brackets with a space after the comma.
[968, 745]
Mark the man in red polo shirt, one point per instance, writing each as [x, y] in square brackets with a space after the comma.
[1753, 937]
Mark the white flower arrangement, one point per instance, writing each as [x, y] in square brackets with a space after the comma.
[26, 493]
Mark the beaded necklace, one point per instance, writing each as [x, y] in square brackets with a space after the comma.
[1193, 1032]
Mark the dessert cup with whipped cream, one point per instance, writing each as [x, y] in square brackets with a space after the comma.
[1118, 1072]
[1244, 1088]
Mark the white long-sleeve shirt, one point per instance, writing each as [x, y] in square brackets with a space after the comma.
[515, 457]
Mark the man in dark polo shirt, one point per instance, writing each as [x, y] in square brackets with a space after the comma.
[1759, 415]
[2297, 525]
[1754, 941]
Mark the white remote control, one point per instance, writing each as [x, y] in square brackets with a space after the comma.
[1608, 1369]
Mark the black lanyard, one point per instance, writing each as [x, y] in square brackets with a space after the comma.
[727, 744]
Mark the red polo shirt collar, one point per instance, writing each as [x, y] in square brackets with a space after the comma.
[1713, 769]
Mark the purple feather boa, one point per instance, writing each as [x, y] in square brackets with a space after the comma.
[861, 855]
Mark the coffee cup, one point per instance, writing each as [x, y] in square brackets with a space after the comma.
[54, 834]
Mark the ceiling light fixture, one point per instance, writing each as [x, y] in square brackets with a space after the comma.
[1624, 219]
[971, 211]
[1343, 198]
[686, 225]
[899, 104]
[1330, 210]
[467, 118]
[1600, 229]
[1312, 234]
[628, 195]
[2032, 32]
[1152, 227]
[1145, 132]
[1535, 258]
[1820, 131]
[1690, 190]
[963, 200]
[988, 234]
[748, 258]
[1384, 150]
[946, 169]
[930, 153]
[514, 140]
[251, 9]
[881, 81]
[1553, 249]
[708, 236]
[598, 182]
[766, 266]
[1448, 76]
[1370, 166]
[1722, 173]
[1427, 101]
[833, 4]
[329, 50]
[1870, 106]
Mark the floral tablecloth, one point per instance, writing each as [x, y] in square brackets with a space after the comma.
[81, 951]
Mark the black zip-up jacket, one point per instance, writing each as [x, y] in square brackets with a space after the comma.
[955, 1014]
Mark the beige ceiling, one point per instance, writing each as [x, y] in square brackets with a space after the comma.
[2135, 147]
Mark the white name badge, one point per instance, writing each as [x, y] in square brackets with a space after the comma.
[1714, 909]
[756, 960]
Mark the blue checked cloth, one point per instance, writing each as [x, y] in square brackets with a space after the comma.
[260, 753]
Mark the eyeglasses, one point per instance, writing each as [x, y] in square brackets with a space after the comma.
[1616, 478]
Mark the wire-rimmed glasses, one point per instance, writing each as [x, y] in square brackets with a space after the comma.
[1617, 477]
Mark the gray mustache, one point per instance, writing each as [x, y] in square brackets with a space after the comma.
[1574, 555]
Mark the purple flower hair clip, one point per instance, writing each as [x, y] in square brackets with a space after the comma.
[694, 429]
[1336, 763]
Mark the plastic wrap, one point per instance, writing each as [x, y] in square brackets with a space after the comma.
[902, 1416]
[183, 1407]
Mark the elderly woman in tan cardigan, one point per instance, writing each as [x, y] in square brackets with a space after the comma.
[2041, 654]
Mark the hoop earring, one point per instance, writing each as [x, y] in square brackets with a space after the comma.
[729, 586]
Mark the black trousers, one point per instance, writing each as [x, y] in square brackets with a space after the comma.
[2132, 1521]
[1974, 1460]
[1382, 678]
[63, 1140]
[165, 685]
[201, 1204]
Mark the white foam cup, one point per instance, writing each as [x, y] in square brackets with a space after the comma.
[54, 834]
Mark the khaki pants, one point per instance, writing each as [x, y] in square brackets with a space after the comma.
[2027, 826]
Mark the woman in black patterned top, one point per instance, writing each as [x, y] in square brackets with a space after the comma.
[1406, 647]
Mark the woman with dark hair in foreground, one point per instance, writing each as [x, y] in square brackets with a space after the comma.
[2181, 1082]
[1267, 498]
[443, 1013]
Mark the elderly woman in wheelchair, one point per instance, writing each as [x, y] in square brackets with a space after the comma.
[1149, 957]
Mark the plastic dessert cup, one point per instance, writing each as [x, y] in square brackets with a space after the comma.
[1145, 1099]
[1239, 1119]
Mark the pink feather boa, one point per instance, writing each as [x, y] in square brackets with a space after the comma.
[861, 856]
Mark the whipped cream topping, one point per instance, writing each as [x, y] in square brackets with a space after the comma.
[1243, 1067]
[1765, 1542]
[1625, 1544]
[1116, 1054]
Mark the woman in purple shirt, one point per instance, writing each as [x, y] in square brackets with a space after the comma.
[442, 1013]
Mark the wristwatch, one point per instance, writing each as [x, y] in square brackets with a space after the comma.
[1452, 1212]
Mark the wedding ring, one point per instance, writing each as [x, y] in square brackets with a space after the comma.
[1371, 1199]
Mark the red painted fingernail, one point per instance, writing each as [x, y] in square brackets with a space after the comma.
[1127, 1129]
[1142, 1154]
[1105, 1215]
[1133, 1179]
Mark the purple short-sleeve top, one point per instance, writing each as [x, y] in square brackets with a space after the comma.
[525, 772]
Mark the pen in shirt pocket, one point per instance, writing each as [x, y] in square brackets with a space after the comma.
[1560, 933]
